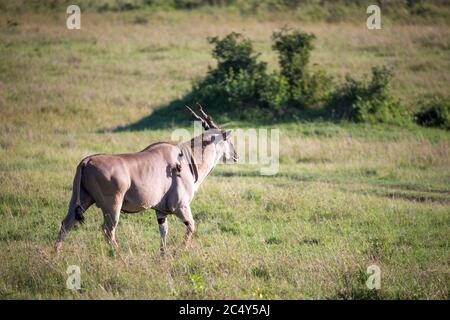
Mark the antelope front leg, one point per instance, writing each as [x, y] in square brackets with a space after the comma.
[163, 229]
[185, 214]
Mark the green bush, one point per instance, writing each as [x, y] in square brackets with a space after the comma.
[435, 112]
[294, 50]
[240, 85]
[234, 53]
[367, 101]
[305, 88]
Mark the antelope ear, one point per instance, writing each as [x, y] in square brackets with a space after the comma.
[227, 134]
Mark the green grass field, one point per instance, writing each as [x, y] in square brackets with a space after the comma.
[347, 195]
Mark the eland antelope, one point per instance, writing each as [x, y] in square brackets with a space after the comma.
[164, 176]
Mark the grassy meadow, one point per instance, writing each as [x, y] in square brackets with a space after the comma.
[347, 195]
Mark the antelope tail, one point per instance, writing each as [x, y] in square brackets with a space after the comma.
[79, 210]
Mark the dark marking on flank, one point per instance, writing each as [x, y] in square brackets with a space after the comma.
[161, 220]
[186, 223]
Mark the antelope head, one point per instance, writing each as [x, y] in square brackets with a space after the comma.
[225, 149]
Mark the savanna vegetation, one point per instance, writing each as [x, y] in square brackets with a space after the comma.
[355, 187]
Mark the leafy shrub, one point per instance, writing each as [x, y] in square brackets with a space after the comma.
[435, 113]
[234, 53]
[239, 82]
[242, 84]
[294, 51]
[367, 101]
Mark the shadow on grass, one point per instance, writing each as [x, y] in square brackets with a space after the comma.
[169, 116]
[175, 115]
